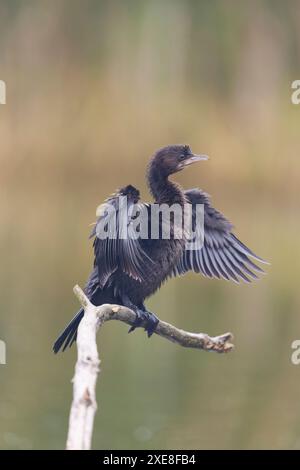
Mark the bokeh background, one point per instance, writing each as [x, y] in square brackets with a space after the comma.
[93, 88]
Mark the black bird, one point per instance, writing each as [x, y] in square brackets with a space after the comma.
[127, 270]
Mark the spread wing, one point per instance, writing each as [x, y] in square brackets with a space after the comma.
[116, 246]
[221, 255]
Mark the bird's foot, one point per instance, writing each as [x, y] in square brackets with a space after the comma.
[139, 319]
[152, 322]
[145, 319]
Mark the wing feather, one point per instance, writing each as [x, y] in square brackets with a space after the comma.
[222, 255]
[118, 250]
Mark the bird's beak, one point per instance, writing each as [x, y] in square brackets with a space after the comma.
[194, 158]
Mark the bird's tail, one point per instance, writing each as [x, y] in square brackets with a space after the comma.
[68, 336]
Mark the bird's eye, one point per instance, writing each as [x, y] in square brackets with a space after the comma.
[182, 157]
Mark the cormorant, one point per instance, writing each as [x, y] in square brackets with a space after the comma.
[127, 270]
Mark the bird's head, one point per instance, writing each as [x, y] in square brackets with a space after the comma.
[174, 158]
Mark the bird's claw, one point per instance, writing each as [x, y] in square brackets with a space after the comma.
[145, 319]
[139, 319]
[152, 322]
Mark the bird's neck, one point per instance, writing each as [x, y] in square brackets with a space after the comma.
[162, 189]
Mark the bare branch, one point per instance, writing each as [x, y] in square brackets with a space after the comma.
[84, 404]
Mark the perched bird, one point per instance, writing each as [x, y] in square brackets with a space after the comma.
[127, 270]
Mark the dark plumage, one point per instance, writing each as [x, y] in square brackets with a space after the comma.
[128, 270]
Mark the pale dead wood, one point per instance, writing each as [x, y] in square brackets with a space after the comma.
[84, 404]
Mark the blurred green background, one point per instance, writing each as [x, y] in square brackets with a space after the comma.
[93, 89]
